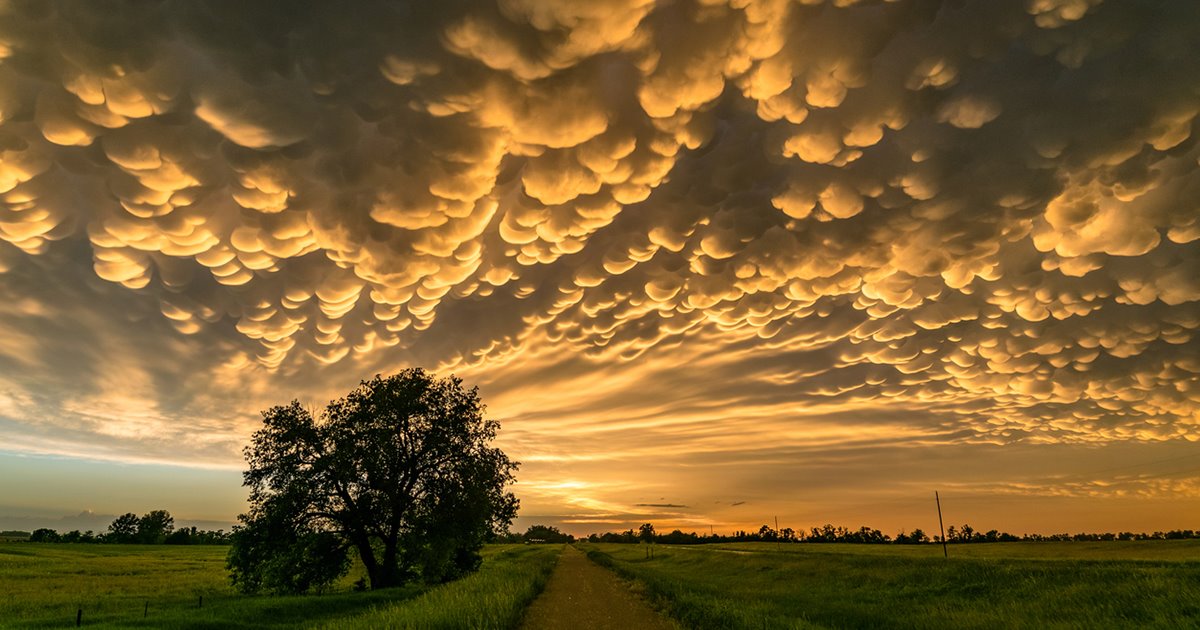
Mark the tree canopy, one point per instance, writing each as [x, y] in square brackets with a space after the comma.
[401, 471]
[546, 533]
[124, 528]
[155, 526]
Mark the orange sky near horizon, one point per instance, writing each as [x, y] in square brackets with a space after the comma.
[709, 262]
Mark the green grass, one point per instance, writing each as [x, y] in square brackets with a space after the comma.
[1021, 585]
[1165, 550]
[494, 597]
[43, 585]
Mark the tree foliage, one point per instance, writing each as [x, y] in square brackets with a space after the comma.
[124, 528]
[400, 471]
[154, 527]
[44, 535]
[280, 554]
[546, 533]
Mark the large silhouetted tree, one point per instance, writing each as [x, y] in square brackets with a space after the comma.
[401, 470]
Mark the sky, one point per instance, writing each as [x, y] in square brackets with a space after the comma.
[710, 262]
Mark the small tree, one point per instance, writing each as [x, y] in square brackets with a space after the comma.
[646, 532]
[124, 528]
[44, 534]
[546, 533]
[401, 470]
[154, 527]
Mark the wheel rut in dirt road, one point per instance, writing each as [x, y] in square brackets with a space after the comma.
[583, 596]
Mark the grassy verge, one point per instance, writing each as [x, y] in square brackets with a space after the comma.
[759, 588]
[494, 597]
[43, 586]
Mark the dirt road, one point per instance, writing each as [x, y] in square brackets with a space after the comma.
[583, 596]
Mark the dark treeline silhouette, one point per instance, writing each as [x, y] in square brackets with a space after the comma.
[157, 527]
[153, 528]
[537, 534]
[868, 535]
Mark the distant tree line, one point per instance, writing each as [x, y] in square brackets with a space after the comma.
[868, 535]
[156, 527]
[536, 534]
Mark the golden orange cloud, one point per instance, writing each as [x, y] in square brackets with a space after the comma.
[790, 214]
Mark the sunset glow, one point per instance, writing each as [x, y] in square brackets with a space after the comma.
[710, 262]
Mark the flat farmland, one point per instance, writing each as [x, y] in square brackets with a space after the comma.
[161, 586]
[1154, 584]
[1024, 585]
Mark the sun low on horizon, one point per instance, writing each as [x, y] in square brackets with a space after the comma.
[709, 262]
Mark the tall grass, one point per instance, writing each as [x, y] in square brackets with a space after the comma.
[711, 588]
[494, 597]
[47, 584]
[43, 586]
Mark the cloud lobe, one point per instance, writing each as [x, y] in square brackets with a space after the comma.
[981, 211]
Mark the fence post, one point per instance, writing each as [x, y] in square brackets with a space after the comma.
[78, 617]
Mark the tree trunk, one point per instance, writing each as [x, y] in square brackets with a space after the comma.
[385, 576]
[367, 555]
[388, 573]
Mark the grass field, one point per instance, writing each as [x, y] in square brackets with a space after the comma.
[44, 585]
[1023, 585]
[1165, 550]
[743, 585]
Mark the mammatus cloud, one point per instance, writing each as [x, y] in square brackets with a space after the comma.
[817, 222]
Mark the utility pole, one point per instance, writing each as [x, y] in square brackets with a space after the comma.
[945, 552]
[777, 534]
